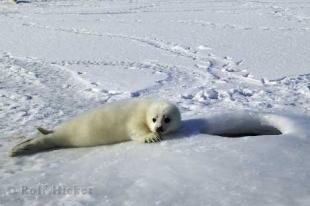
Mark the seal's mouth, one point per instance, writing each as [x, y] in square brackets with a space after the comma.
[159, 130]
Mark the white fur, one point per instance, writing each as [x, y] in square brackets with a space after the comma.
[111, 123]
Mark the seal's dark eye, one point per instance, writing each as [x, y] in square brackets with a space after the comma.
[154, 120]
[167, 120]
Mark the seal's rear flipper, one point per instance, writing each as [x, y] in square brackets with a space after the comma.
[44, 131]
[21, 148]
[31, 146]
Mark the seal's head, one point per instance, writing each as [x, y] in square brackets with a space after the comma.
[163, 117]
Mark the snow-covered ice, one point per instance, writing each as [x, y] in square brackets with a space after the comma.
[234, 68]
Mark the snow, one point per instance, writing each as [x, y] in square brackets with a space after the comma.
[234, 68]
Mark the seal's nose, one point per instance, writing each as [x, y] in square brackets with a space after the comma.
[159, 129]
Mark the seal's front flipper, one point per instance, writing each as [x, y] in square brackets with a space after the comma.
[44, 131]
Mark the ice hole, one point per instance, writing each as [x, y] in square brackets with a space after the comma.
[239, 125]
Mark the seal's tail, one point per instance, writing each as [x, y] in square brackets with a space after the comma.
[31, 146]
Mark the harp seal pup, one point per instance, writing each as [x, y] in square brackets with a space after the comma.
[143, 120]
